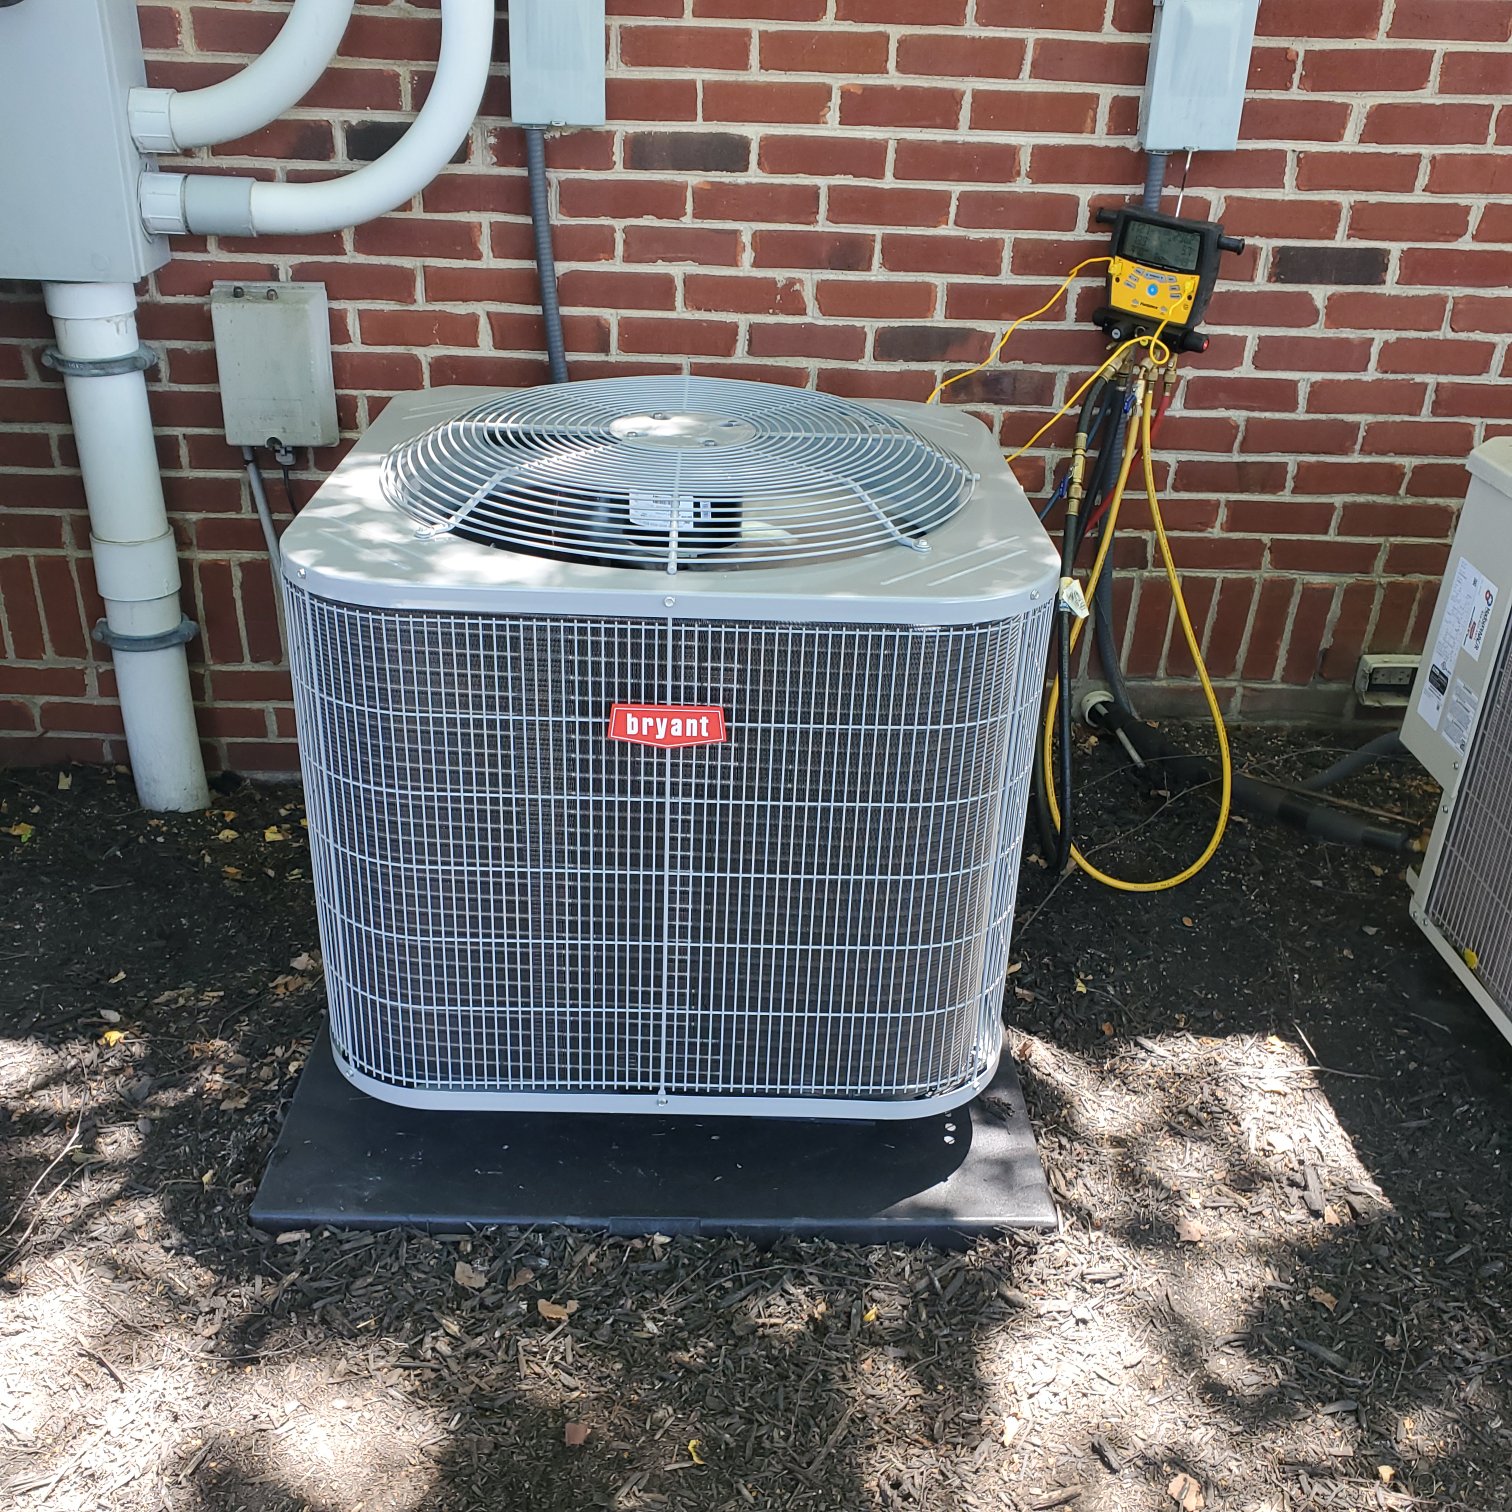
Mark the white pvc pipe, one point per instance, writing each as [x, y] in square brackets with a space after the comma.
[167, 120]
[212, 206]
[136, 565]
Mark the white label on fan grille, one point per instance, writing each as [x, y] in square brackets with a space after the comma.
[653, 511]
[1472, 596]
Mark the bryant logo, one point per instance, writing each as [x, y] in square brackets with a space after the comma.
[667, 726]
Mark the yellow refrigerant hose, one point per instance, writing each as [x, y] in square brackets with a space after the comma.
[1145, 400]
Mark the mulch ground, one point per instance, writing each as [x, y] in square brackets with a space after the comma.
[1273, 1125]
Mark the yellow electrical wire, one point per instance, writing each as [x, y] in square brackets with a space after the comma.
[1002, 341]
[1146, 402]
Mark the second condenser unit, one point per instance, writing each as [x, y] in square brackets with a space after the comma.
[666, 744]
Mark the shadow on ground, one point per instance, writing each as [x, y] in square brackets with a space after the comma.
[1273, 1127]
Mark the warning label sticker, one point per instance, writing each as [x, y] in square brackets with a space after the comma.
[1460, 709]
[1472, 597]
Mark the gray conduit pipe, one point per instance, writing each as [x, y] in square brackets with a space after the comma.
[270, 537]
[1154, 184]
[545, 256]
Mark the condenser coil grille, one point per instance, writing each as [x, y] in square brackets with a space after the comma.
[677, 473]
[1470, 899]
[512, 903]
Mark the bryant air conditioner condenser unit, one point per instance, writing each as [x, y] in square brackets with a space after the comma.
[1459, 725]
[666, 745]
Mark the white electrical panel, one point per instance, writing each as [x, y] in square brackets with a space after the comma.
[68, 166]
[273, 349]
[556, 62]
[1199, 62]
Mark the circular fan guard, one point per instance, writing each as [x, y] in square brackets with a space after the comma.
[677, 473]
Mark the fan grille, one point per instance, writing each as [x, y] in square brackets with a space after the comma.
[677, 473]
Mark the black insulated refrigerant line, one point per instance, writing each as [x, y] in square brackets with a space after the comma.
[545, 256]
[1300, 810]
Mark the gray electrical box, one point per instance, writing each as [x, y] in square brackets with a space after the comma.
[556, 62]
[273, 351]
[1199, 62]
[68, 166]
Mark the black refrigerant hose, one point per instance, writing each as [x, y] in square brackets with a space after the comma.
[1112, 395]
[1311, 816]
[1071, 532]
[545, 256]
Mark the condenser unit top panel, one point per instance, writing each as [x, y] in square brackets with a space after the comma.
[805, 507]
[678, 474]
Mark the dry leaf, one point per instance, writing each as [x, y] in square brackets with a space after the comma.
[1387, 1474]
[1011, 1426]
[1323, 1298]
[120, 976]
[274, 832]
[235, 1102]
[518, 1278]
[1107, 1029]
[554, 1312]
[304, 961]
[575, 1435]
[1188, 920]
[1189, 1231]
[693, 1453]
[1186, 1493]
[870, 1315]
[231, 871]
[292, 1236]
[65, 781]
[112, 1037]
[1081, 986]
[225, 834]
[23, 832]
[465, 1275]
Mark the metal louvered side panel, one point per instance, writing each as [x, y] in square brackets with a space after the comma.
[512, 903]
[1470, 897]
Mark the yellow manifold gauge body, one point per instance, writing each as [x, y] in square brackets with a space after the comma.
[1151, 293]
[1161, 272]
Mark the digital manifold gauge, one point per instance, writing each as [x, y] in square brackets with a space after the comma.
[1162, 270]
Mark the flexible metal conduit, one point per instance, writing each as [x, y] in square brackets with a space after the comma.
[214, 204]
[1154, 184]
[136, 565]
[545, 255]
[169, 120]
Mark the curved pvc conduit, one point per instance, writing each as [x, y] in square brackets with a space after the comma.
[136, 565]
[209, 204]
[169, 120]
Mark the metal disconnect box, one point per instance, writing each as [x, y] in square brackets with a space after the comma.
[69, 168]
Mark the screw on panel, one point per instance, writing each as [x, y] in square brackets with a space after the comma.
[669, 602]
[238, 292]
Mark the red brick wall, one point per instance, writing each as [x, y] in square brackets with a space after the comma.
[853, 193]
